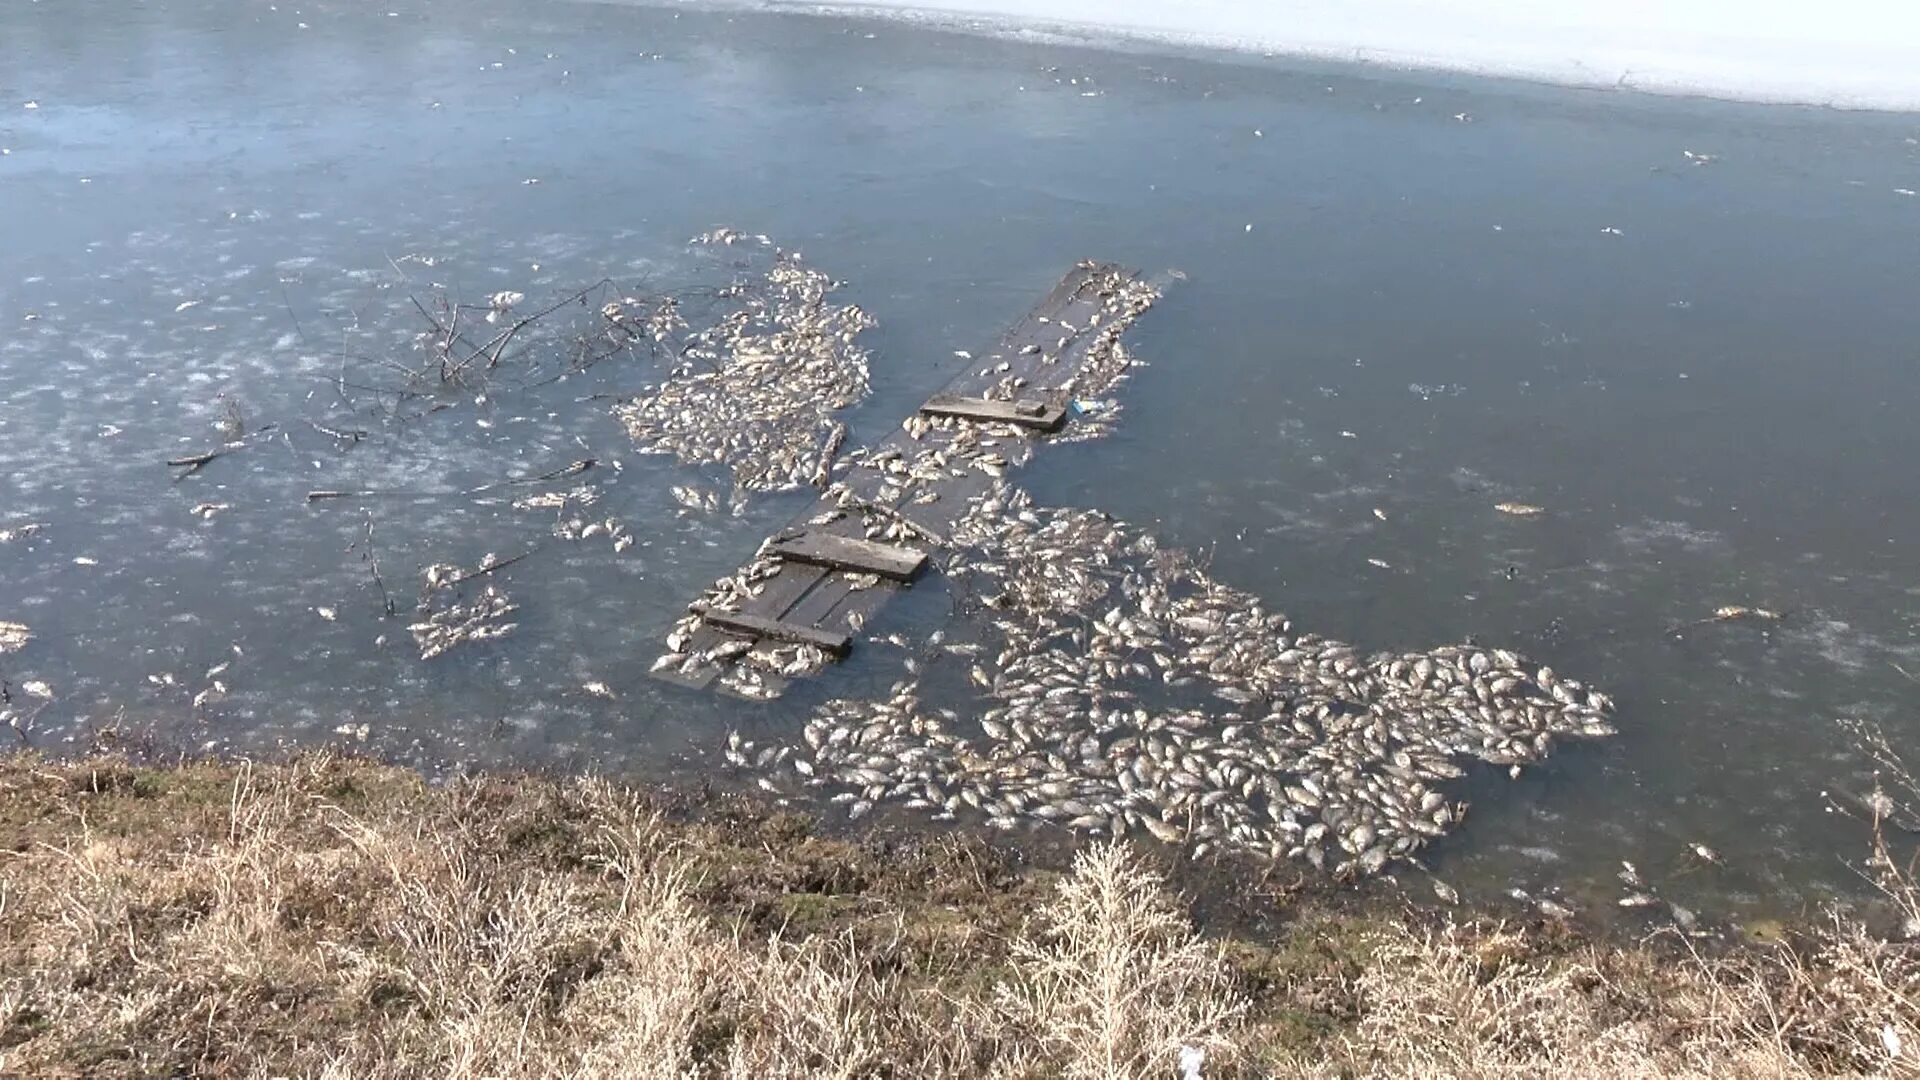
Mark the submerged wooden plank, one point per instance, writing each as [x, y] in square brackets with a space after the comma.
[846, 553]
[1035, 414]
[760, 627]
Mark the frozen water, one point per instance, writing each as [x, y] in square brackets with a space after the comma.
[1861, 54]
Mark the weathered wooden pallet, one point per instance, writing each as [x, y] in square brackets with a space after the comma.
[818, 588]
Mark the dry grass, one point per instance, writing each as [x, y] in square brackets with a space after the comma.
[1112, 981]
[334, 918]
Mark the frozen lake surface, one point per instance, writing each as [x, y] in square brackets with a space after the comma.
[1684, 329]
[1847, 53]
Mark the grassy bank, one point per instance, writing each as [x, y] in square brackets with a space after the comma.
[334, 917]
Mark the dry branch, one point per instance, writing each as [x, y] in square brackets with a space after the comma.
[574, 469]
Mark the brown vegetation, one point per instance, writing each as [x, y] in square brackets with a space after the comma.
[338, 918]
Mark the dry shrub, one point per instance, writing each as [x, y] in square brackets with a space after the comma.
[1112, 981]
[510, 971]
[291, 937]
[1869, 986]
[526, 928]
[1471, 1001]
[140, 959]
[648, 1012]
[826, 1008]
[1468, 1000]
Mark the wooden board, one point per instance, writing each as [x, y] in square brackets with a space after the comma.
[761, 627]
[822, 548]
[776, 598]
[1038, 415]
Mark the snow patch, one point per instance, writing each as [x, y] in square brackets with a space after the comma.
[1859, 54]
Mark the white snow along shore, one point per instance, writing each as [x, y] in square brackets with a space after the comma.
[1857, 54]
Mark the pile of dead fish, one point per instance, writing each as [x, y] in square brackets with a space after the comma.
[1118, 689]
[1108, 362]
[13, 636]
[893, 489]
[570, 523]
[748, 668]
[19, 710]
[447, 617]
[1109, 686]
[755, 391]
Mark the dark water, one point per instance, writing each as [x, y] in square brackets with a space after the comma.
[1419, 294]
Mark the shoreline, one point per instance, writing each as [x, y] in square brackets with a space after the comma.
[324, 912]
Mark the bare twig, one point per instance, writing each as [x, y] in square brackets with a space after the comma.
[496, 346]
[353, 436]
[372, 559]
[489, 568]
[193, 463]
[828, 453]
[574, 469]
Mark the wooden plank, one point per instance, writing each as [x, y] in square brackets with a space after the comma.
[760, 627]
[1032, 348]
[847, 608]
[778, 594]
[777, 597]
[828, 608]
[1038, 415]
[857, 556]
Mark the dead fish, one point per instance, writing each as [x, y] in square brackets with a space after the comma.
[1732, 612]
[1553, 909]
[1519, 509]
[502, 302]
[1085, 622]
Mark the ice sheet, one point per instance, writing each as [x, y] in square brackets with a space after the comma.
[1862, 54]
